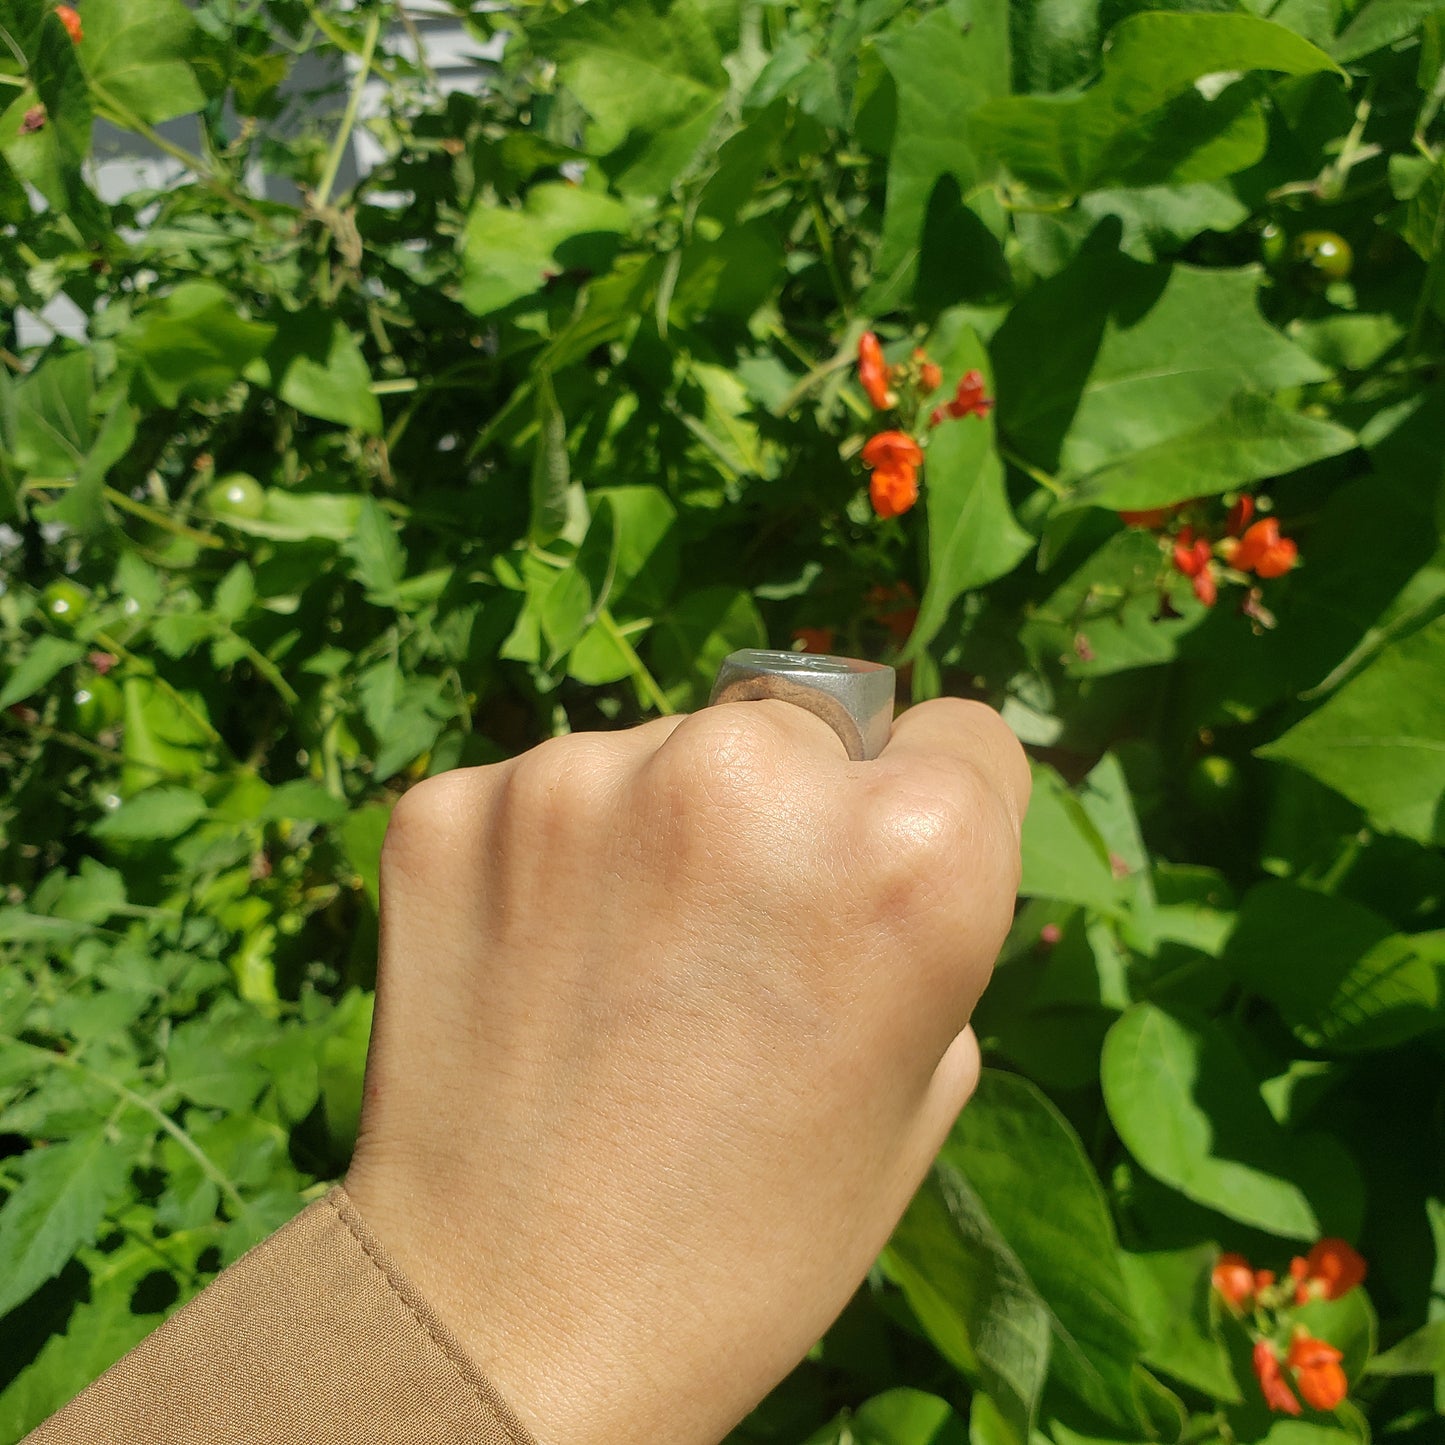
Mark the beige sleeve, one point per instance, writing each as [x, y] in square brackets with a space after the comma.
[314, 1336]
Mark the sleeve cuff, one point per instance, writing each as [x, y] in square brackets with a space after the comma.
[315, 1336]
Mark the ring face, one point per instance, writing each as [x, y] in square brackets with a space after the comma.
[855, 698]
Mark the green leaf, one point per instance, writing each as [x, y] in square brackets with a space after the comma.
[51, 157]
[510, 252]
[1422, 1353]
[1105, 617]
[303, 517]
[646, 560]
[551, 466]
[360, 835]
[971, 1295]
[235, 593]
[1424, 229]
[17, 925]
[1172, 1299]
[376, 552]
[53, 429]
[405, 712]
[650, 74]
[1189, 1110]
[689, 644]
[193, 343]
[58, 1206]
[1340, 975]
[625, 570]
[81, 507]
[1155, 221]
[1144, 122]
[303, 799]
[116, 1315]
[158, 738]
[1030, 1172]
[1063, 855]
[343, 1066]
[731, 275]
[1250, 440]
[1378, 23]
[973, 538]
[944, 67]
[137, 55]
[315, 365]
[1379, 740]
[158, 813]
[45, 657]
[898, 1417]
[213, 1060]
[1156, 362]
[1054, 42]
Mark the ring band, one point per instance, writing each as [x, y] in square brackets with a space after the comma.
[853, 697]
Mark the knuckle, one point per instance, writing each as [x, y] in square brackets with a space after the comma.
[432, 816]
[558, 788]
[1008, 763]
[561, 768]
[720, 756]
[933, 829]
[427, 808]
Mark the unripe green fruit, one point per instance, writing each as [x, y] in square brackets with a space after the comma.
[95, 705]
[1273, 243]
[238, 495]
[64, 603]
[1325, 253]
[1214, 785]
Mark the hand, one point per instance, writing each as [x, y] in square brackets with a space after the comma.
[670, 1026]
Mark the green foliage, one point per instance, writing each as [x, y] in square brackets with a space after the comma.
[557, 407]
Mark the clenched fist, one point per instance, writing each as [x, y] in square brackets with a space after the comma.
[670, 1025]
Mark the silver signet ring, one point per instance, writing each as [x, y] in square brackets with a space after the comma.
[854, 698]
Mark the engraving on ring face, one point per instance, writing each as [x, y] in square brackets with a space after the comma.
[793, 661]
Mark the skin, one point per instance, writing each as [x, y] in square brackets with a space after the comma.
[670, 1026]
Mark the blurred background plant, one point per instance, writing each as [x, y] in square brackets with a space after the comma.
[333, 480]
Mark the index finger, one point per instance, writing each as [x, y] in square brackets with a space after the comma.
[953, 730]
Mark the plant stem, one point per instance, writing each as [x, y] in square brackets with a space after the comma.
[159, 519]
[113, 111]
[268, 670]
[644, 679]
[1036, 474]
[348, 120]
[208, 1166]
[121, 650]
[84, 745]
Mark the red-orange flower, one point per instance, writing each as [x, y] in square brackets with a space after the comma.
[893, 490]
[1191, 556]
[886, 449]
[1331, 1268]
[893, 457]
[1317, 1370]
[930, 373]
[68, 18]
[1261, 549]
[814, 639]
[970, 399]
[1233, 1280]
[1151, 517]
[1239, 515]
[1277, 1394]
[873, 372]
[1206, 587]
[896, 608]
